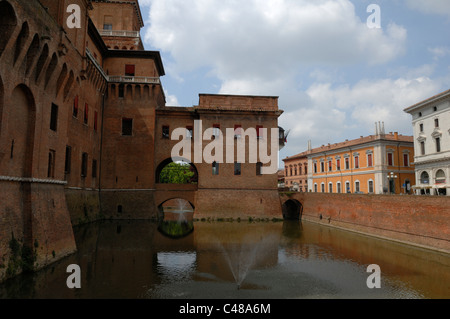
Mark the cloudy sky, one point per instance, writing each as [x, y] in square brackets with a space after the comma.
[335, 75]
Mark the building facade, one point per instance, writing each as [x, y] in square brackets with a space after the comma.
[296, 172]
[85, 130]
[431, 125]
[376, 164]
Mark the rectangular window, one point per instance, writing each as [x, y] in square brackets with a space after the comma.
[237, 131]
[356, 161]
[315, 188]
[259, 169]
[84, 161]
[315, 167]
[338, 164]
[371, 187]
[121, 90]
[107, 26]
[347, 187]
[322, 186]
[215, 168]
[357, 187]
[422, 148]
[166, 131]
[390, 159]
[339, 190]
[54, 117]
[259, 131]
[216, 131]
[68, 161]
[421, 127]
[75, 107]
[95, 121]
[322, 167]
[94, 168]
[369, 160]
[438, 144]
[330, 166]
[86, 115]
[306, 169]
[406, 160]
[51, 164]
[127, 127]
[130, 69]
[330, 188]
[436, 122]
[237, 169]
[347, 163]
[189, 132]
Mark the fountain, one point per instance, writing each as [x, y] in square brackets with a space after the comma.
[174, 221]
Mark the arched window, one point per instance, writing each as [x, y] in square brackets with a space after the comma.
[440, 177]
[21, 39]
[424, 178]
[8, 22]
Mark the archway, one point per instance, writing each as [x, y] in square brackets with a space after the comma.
[21, 120]
[441, 182]
[292, 209]
[175, 218]
[176, 171]
[8, 22]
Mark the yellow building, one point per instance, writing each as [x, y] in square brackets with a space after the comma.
[376, 164]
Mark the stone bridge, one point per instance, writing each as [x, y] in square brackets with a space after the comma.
[166, 192]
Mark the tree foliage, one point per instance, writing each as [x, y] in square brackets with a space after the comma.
[178, 173]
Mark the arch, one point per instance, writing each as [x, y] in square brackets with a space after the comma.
[41, 62]
[61, 78]
[8, 22]
[424, 178]
[21, 39]
[168, 161]
[51, 68]
[33, 49]
[21, 132]
[292, 209]
[440, 177]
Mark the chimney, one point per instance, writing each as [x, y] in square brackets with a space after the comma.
[396, 136]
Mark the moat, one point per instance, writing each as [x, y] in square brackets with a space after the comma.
[237, 260]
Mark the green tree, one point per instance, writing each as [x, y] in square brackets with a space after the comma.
[177, 173]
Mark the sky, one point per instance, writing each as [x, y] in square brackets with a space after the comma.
[336, 66]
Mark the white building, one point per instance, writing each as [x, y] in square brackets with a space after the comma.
[431, 123]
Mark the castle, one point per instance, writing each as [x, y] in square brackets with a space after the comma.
[85, 130]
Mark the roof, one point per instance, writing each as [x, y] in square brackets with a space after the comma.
[394, 137]
[429, 100]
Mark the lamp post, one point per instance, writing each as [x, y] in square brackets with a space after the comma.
[391, 179]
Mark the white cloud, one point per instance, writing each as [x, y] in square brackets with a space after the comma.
[257, 39]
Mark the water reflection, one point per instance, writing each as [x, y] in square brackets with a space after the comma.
[265, 260]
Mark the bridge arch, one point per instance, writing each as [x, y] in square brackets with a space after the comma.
[292, 209]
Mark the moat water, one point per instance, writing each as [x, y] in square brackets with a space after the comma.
[235, 260]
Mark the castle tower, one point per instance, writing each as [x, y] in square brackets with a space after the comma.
[119, 23]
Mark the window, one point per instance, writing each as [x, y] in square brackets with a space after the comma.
[338, 186]
[215, 168]
[315, 167]
[435, 109]
[75, 107]
[130, 69]
[356, 161]
[95, 121]
[121, 90]
[357, 187]
[390, 159]
[216, 131]
[127, 127]
[436, 122]
[338, 164]
[421, 127]
[315, 188]
[86, 110]
[300, 170]
[369, 160]
[347, 163]
[189, 132]
[330, 166]
[259, 169]
[237, 131]
[54, 117]
[406, 160]
[166, 131]
[424, 178]
[94, 168]
[330, 188]
[322, 167]
[295, 170]
[84, 160]
[347, 187]
[306, 169]
[422, 148]
[371, 187]
[259, 131]
[68, 160]
[51, 164]
[322, 186]
[237, 169]
[438, 144]
[107, 26]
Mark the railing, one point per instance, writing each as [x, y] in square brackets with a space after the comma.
[122, 79]
[134, 79]
[115, 33]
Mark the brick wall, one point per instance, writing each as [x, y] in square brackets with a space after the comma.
[419, 220]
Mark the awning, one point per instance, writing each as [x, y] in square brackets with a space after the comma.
[441, 186]
[422, 187]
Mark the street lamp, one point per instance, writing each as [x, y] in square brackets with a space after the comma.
[391, 177]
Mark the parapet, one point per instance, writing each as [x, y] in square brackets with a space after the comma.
[238, 102]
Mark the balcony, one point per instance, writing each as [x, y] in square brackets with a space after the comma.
[133, 79]
[119, 33]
